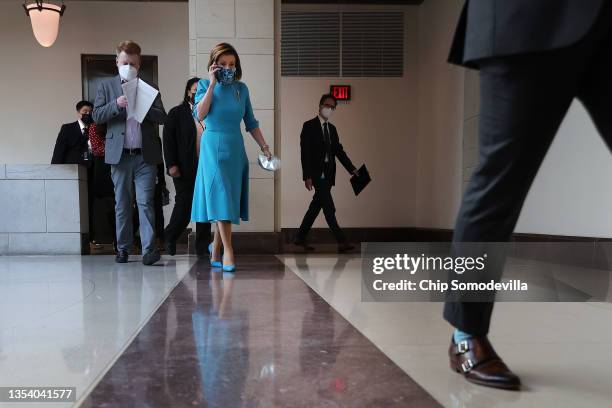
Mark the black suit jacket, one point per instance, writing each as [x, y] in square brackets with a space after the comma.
[70, 145]
[180, 141]
[499, 28]
[313, 152]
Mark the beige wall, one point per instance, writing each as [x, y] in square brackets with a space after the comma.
[440, 112]
[40, 86]
[572, 193]
[377, 127]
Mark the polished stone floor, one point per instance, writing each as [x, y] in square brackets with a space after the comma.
[286, 331]
[256, 338]
[65, 319]
[182, 334]
[560, 350]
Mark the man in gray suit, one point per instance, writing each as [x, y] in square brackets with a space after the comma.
[133, 150]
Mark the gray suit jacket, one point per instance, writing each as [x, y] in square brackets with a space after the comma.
[500, 28]
[106, 111]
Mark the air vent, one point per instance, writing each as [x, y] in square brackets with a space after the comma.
[310, 44]
[348, 44]
[373, 44]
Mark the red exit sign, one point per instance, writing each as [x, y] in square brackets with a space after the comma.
[341, 92]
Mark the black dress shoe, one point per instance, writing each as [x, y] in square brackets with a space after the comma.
[151, 257]
[170, 248]
[477, 361]
[345, 247]
[303, 244]
[122, 257]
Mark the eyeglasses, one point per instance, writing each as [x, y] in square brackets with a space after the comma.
[332, 107]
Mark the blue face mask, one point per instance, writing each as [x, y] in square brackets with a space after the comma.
[226, 76]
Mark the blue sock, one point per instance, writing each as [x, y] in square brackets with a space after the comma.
[459, 336]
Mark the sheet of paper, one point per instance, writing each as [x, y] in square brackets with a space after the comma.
[145, 96]
[140, 97]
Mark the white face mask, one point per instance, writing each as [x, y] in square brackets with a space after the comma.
[327, 113]
[127, 72]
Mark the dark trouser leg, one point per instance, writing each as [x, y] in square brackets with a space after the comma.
[523, 101]
[329, 210]
[104, 197]
[596, 90]
[181, 213]
[202, 237]
[311, 215]
[91, 201]
[159, 212]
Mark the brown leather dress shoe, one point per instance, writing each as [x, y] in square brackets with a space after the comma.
[476, 359]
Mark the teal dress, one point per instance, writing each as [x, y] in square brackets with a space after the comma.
[221, 191]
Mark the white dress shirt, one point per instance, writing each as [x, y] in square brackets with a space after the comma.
[323, 122]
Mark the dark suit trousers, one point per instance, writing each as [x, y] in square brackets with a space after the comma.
[159, 212]
[322, 199]
[181, 215]
[102, 201]
[523, 102]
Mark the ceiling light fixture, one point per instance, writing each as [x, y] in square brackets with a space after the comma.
[45, 16]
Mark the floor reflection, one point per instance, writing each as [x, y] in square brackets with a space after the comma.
[256, 338]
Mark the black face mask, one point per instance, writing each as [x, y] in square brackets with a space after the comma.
[87, 119]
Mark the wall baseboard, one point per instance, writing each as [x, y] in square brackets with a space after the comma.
[281, 242]
[446, 235]
[248, 243]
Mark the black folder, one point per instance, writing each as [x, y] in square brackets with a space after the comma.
[360, 180]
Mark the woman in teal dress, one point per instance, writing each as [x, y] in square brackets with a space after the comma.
[221, 192]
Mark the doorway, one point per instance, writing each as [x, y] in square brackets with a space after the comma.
[96, 67]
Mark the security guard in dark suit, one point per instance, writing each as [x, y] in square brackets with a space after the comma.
[71, 146]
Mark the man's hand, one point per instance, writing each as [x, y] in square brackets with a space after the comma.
[174, 172]
[122, 101]
[308, 184]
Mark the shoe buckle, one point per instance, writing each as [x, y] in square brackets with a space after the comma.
[467, 365]
[463, 346]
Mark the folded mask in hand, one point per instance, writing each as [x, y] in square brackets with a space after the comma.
[271, 165]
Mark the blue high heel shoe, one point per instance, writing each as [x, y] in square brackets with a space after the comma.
[229, 268]
[216, 264]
